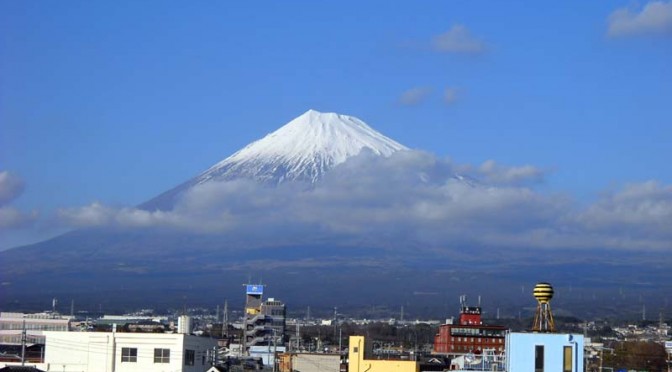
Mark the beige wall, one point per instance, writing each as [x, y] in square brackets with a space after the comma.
[316, 362]
[359, 364]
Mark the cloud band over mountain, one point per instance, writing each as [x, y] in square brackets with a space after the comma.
[409, 198]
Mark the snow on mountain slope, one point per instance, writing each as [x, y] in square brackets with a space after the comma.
[302, 150]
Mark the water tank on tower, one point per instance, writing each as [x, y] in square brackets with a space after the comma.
[543, 317]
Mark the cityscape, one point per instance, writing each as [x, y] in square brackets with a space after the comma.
[263, 335]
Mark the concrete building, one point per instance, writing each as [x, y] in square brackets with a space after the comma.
[276, 315]
[359, 360]
[12, 324]
[469, 335]
[267, 353]
[264, 320]
[544, 352]
[126, 352]
[309, 362]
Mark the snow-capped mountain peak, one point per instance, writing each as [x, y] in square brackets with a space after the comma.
[303, 149]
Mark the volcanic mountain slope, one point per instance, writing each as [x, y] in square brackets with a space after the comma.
[302, 150]
[115, 267]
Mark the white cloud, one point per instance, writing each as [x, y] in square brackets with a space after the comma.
[11, 187]
[458, 40]
[654, 18]
[414, 96]
[496, 174]
[410, 198]
[638, 212]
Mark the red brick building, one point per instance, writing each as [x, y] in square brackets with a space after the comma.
[469, 335]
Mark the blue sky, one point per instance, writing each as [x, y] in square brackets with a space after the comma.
[117, 102]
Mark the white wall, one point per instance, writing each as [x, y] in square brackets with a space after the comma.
[520, 349]
[101, 351]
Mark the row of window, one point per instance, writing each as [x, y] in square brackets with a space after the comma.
[33, 327]
[473, 339]
[130, 355]
[476, 332]
[471, 348]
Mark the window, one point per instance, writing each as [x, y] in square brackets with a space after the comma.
[190, 356]
[539, 358]
[129, 354]
[567, 359]
[161, 355]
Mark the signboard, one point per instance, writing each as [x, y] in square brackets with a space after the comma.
[668, 345]
[255, 289]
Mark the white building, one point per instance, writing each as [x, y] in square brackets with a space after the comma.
[266, 353]
[544, 352]
[12, 324]
[126, 352]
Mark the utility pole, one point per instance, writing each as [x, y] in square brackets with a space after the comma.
[23, 344]
[275, 351]
[225, 320]
[298, 335]
[340, 341]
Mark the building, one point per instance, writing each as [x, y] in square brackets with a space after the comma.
[359, 359]
[469, 335]
[127, 352]
[544, 352]
[276, 315]
[267, 353]
[309, 362]
[264, 320]
[12, 325]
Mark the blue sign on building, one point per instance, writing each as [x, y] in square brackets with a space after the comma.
[255, 289]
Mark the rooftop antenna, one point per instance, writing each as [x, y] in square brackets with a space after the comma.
[543, 317]
[72, 308]
[54, 302]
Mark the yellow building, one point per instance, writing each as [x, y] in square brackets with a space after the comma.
[358, 362]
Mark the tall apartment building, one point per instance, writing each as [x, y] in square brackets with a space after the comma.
[264, 320]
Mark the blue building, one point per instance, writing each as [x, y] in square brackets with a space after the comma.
[544, 352]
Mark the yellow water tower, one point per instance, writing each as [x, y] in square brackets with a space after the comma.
[543, 317]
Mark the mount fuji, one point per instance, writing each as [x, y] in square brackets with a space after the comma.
[302, 150]
[329, 242]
